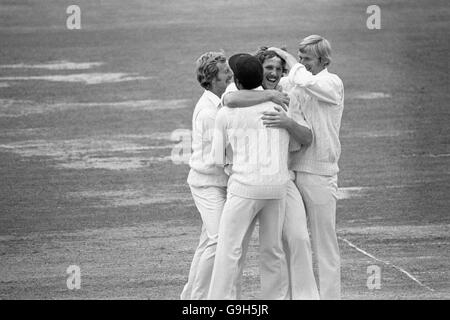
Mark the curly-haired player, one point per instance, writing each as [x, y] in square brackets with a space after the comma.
[207, 182]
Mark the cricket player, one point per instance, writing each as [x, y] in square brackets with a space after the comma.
[256, 188]
[322, 100]
[208, 182]
[297, 245]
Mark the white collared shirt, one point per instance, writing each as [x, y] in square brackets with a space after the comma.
[202, 172]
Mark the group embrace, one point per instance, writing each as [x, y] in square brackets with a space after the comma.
[265, 148]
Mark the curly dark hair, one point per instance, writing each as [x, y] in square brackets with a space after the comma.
[264, 53]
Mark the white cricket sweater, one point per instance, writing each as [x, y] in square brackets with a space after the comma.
[203, 173]
[259, 154]
[322, 101]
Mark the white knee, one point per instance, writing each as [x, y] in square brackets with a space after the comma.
[295, 238]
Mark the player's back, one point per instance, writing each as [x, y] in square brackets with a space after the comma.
[259, 153]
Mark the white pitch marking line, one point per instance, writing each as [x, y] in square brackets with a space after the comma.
[440, 155]
[386, 263]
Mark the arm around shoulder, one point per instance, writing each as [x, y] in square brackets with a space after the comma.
[246, 98]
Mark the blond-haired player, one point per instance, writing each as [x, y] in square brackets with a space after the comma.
[207, 182]
[321, 96]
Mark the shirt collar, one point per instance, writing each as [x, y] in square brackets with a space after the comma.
[213, 98]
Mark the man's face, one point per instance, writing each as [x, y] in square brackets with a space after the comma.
[311, 62]
[273, 70]
[223, 79]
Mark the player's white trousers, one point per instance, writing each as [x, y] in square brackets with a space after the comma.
[209, 202]
[237, 217]
[319, 194]
[297, 247]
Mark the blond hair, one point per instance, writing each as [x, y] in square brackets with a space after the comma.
[317, 46]
[207, 69]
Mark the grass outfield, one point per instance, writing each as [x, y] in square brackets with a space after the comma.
[86, 178]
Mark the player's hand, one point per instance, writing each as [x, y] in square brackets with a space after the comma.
[286, 56]
[279, 98]
[278, 51]
[276, 119]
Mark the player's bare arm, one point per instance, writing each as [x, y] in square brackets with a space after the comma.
[280, 119]
[247, 98]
